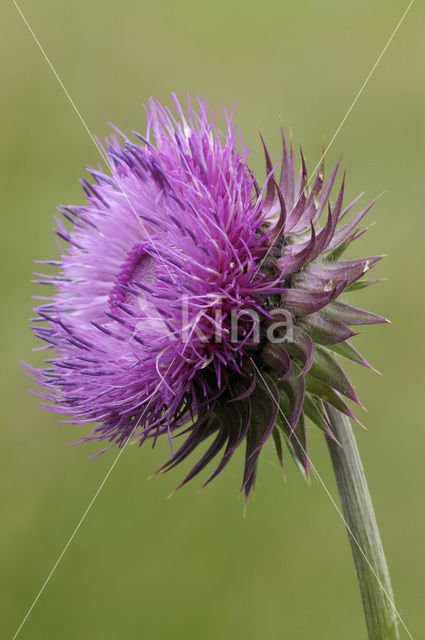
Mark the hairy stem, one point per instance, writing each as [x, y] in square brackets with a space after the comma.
[363, 533]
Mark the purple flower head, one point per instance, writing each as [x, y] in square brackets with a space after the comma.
[190, 302]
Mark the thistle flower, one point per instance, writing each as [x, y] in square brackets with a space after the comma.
[191, 302]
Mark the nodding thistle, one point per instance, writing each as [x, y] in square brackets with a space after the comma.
[191, 302]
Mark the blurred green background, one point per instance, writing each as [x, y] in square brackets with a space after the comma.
[142, 566]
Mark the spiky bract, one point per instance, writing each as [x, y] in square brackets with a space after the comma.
[174, 244]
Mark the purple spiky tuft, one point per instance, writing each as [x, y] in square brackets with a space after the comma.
[178, 277]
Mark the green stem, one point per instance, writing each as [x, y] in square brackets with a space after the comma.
[363, 533]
